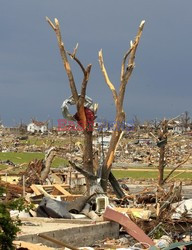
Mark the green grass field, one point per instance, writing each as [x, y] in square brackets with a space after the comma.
[25, 158]
[119, 174]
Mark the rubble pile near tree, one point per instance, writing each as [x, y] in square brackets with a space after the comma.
[160, 215]
[144, 150]
[151, 217]
[132, 150]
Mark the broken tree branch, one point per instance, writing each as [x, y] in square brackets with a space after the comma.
[173, 170]
[116, 187]
[81, 100]
[106, 77]
[83, 171]
[131, 64]
[124, 62]
[78, 62]
[49, 156]
[83, 113]
[59, 243]
[85, 81]
[86, 72]
[119, 99]
[63, 53]
[50, 23]
[136, 42]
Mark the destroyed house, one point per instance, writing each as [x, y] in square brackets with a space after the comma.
[176, 127]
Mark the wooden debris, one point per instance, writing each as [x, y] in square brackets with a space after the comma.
[54, 191]
[59, 243]
[33, 173]
[30, 246]
[13, 190]
[136, 212]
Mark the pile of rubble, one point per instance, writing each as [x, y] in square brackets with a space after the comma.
[153, 218]
[144, 150]
[130, 151]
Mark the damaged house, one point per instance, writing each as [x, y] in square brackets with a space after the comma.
[37, 126]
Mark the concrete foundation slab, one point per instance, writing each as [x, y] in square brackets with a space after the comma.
[75, 234]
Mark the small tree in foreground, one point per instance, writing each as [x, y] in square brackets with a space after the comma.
[83, 115]
[8, 226]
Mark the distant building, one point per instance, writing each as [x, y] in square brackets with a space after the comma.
[36, 126]
[102, 141]
[176, 127]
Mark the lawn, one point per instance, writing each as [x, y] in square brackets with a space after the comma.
[119, 174]
[25, 158]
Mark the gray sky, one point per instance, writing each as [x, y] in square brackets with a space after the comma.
[33, 82]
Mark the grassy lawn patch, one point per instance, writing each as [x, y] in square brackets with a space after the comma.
[25, 158]
[119, 174]
[19, 158]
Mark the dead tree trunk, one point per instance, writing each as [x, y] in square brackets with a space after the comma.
[81, 115]
[49, 156]
[126, 71]
[162, 144]
[116, 187]
[88, 154]
[185, 120]
[161, 165]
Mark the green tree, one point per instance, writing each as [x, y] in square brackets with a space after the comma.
[8, 226]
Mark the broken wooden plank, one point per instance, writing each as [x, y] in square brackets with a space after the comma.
[66, 197]
[29, 245]
[35, 189]
[57, 189]
[50, 186]
[59, 243]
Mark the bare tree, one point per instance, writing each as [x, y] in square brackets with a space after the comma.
[155, 124]
[128, 64]
[185, 120]
[162, 140]
[136, 122]
[126, 71]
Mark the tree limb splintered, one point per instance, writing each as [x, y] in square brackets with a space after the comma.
[126, 71]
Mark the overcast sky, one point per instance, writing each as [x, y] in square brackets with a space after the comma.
[33, 82]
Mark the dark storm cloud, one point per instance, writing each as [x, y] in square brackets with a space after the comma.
[32, 79]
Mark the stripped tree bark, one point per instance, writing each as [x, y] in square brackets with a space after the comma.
[79, 99]
[126, 71]
[49, 157]
[127, 67]
[162, 141]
